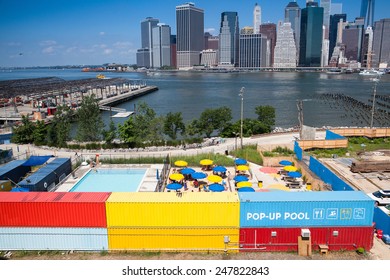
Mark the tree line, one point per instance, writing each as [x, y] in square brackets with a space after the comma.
[144, 128]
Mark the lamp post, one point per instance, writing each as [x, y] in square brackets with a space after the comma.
[376, 81]
[241, 94]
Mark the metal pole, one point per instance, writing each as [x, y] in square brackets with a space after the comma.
[376, 80]
[241, 94]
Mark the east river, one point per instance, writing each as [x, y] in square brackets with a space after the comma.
[191, 93]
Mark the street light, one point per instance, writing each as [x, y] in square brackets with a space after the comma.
[376, 81]
[241, 94]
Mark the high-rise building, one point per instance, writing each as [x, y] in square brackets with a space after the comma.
[326, 4]
[292, 14]
[285, 49]
[256, 19]
[268, 30]
[145, 54]
[161, 45]
[310, 46]
[228, 40]
[367, 11]
[253, 51]
[333, 27]
[367, 47]
[209, 58]
[190, 35]
[173, 51]
[211, 42]
[381, 45]
[353, 36]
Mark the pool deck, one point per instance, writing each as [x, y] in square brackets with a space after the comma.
[148, 183]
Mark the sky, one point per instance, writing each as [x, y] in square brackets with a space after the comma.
[94, 32]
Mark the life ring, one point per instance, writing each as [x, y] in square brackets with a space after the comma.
[45, 185]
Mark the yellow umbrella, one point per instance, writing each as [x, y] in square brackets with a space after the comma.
[214, 178]
[242, 167]
[181, 163]
[244, 184]
[176, 176]
[206, 162]
[290, 168]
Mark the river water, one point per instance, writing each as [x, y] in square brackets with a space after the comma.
[191, 93]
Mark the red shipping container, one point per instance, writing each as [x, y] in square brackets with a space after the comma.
[53, 209]
[286, 239]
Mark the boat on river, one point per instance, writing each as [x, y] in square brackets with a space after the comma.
[371, 72]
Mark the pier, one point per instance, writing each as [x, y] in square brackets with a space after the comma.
[40, 97]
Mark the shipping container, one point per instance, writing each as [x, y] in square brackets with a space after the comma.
[48, 175]
[174, 239]
[382, 219]
[48, 209]
[169, 209]
[297, 209]
[286, 239]
[14, 171]
[83, 239]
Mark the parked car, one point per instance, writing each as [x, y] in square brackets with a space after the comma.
[381, 197]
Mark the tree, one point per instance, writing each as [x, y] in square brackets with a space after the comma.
[110, 134]
[58, 131]
[40, 133]
[173, 123]
[266, 114]
[90, 124]
[127, 132]
[23, 133]
[214, 119]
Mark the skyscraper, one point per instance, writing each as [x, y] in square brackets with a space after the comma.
[381, 45]
[285, 49]
[256, 18]
[353, 36]
[268, 30]
[333, 27]
[367, 11]
[253, 51]
[161, 45]
[310, 46]
[190, 36]
[228, 39]
[292, 14]
[145, 54]
[326, 4]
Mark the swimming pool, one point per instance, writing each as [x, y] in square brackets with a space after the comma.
[110, 180]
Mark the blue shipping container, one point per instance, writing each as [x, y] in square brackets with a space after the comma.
[14, 170]
[302, 209]
[47, 175]
[82, 239]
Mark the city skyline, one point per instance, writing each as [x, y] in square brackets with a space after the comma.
[48, 33]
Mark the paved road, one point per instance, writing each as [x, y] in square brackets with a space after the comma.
[228, 144]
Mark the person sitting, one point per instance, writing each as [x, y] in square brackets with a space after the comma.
[196, 183]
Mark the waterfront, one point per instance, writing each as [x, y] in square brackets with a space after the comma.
[191, 93]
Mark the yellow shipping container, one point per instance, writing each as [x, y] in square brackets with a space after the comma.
[174, 239]
[152, 209]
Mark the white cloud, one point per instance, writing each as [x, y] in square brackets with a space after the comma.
[210, 30]
[102, 33]
[48, 50]
[108, 51]
[48, 43]
[123, 45]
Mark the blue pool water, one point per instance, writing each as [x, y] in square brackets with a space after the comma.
[110, 180]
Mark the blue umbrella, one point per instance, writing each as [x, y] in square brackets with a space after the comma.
[216, 188]
[285, 162]
[174, 186]
[240, 178]
[220, 168]
[186, 171]
[294, 174]
[198, 175]
[240, 161]
[246, 189]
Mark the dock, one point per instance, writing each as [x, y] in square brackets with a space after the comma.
[126, 95]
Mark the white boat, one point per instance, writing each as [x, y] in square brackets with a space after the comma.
[371, 72]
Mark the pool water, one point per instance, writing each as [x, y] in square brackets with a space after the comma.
[110, 180]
